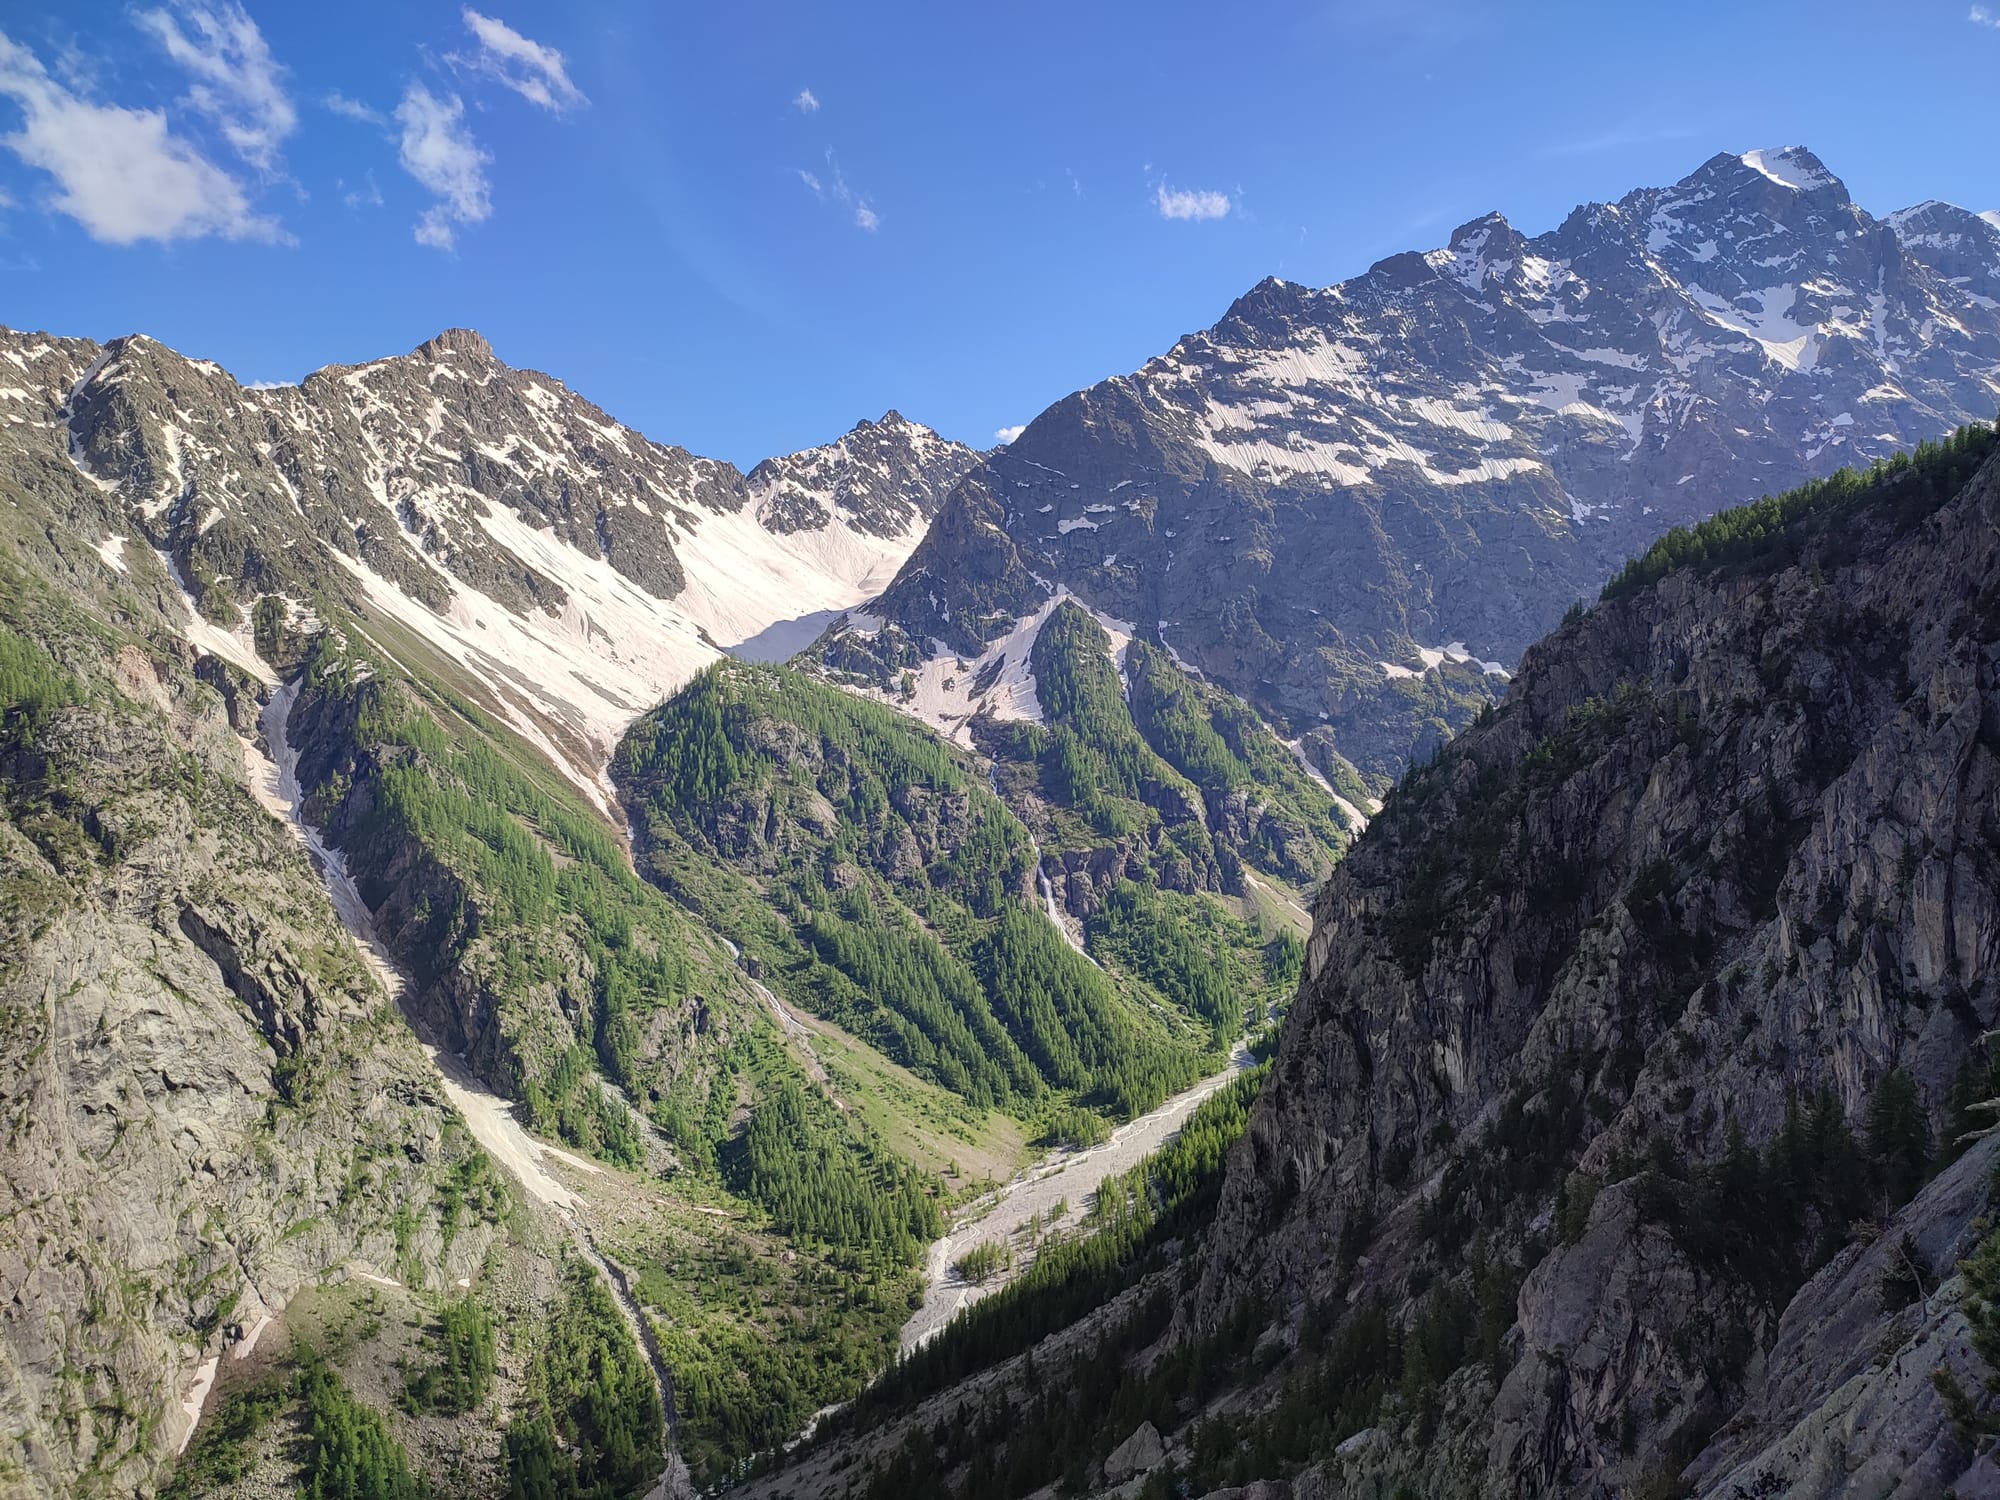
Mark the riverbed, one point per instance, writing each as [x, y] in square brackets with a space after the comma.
[1068, 1179]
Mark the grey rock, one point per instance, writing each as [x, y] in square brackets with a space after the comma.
[1141, 1453]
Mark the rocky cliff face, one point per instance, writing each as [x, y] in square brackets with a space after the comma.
[1314, 498]
[208, 1102]
[1726, 858]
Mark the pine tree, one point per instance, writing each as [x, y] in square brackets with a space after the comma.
[1899, 1137]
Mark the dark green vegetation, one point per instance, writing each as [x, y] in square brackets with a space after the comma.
[1185, 780]
[758, 1341]
[982, 1261]
[540, 954]
[463, 1374]
[350, 1452]
[821, 1186]
[468, 845]
[31, 685]
[344, 1450]
[1183, 947]
[1775, 531]
[590, 1427]
[1255, 791]
[1980, 1300]
[1676, 900]
[876, 879]
[224, 1449]
[1772, 1218]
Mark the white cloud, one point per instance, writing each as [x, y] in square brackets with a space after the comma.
[835, 190]
[1008, 434]
[1190, 203]
[537, 73]
[353, 109]
[238, 84]
[1981, 16]
[807, 102]
[438, 150]
[120, 173]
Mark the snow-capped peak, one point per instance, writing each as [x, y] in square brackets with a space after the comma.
[1792, 166]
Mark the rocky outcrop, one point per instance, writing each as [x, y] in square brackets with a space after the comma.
[1141, 1453]
[486, 521]
[207, 1103]
[1847, 1401]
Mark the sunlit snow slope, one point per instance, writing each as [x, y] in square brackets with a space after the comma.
[560, 568]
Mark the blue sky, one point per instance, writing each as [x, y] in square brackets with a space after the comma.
[742, 226]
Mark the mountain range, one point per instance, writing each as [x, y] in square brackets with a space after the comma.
[1351, 506]
[519, 938]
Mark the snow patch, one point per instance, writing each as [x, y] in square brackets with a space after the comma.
[1790, 167]
[112, 550]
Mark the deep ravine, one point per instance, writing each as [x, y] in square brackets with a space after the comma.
[274, 782]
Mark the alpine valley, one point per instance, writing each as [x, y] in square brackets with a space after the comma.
[1182, 955]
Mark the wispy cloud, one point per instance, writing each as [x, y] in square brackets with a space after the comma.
[537, 73]
[1190, 203]
[120, 173]
[806, 102]
[1008, 434]
[438, 150]
[832, 188]
[1981, 16]
[366, 194]
[1618, 140]
[237, 83]
[1075, 185]
[353, 109]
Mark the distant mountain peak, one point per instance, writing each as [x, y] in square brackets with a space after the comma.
[452, 341]
[1474, 234]
[885, 477]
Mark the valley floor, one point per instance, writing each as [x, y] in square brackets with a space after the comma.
[1044, 1197]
